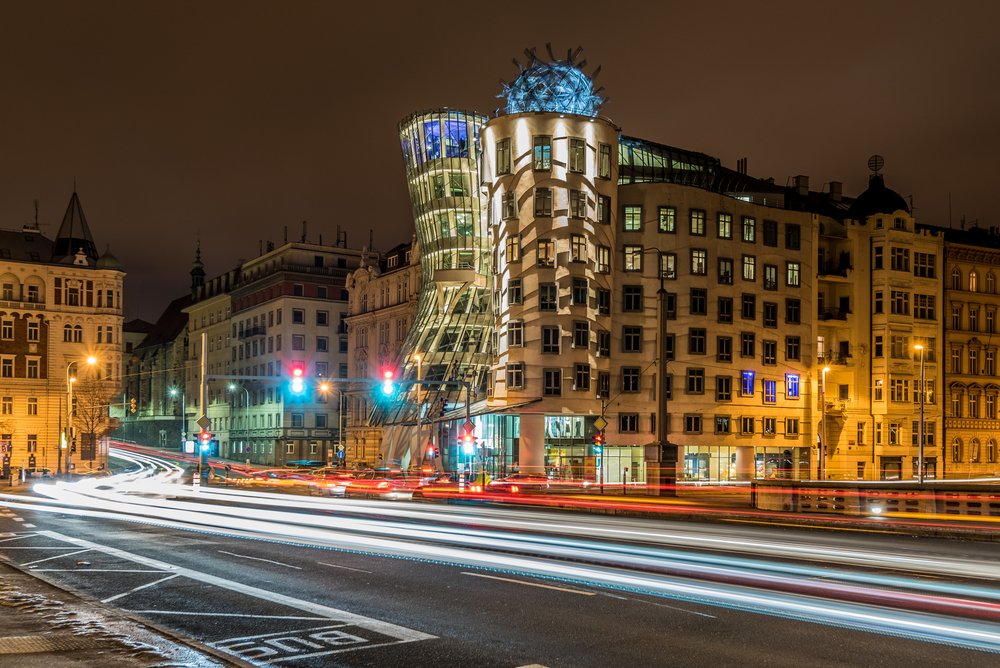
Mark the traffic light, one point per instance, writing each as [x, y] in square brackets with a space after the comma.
[388, 386]
[298, 385]
[205, 438]
[431, 451]
[599, 443]
[131, 405]
[468, 438]
[72, 447]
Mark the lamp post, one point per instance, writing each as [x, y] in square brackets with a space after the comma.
[246, 410]
[68, 445]
[325, 388]
[920, 430]
[420, 406]
[173, 391]
[821, 468]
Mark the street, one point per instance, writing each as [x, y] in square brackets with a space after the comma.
[283, 580]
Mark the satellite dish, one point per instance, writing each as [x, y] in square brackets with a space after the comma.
[875, 163]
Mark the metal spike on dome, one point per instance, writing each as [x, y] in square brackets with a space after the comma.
[582, 63]
[548, 47]
[569, 55]
[517, 64]
[576, 53]
[596, 72]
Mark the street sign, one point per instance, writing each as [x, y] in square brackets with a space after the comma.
[203, 422]
[600, 423]
[469, 426]
[340, 448]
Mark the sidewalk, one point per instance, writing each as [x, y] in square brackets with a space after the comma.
[42, 626]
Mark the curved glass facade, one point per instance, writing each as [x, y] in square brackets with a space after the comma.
[451, 333]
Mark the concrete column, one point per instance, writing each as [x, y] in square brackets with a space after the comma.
[531, 448]
[744, 462]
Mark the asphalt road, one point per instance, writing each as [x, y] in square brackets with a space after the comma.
[327, 582]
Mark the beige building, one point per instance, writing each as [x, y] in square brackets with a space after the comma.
[60, 303]
[381, 313]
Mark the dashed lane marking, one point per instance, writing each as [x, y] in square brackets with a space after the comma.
[530, 584]
[244, 556]
[58, 556]
[139, 588]
[346, 568]
[188, 613]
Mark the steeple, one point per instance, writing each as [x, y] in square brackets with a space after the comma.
[74, 235]
[197, 271]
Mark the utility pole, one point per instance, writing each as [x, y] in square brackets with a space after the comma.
[665, 481]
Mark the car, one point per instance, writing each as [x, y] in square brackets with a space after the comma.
[334, 483]
[305, 464]
[519, 483]
[382, 484]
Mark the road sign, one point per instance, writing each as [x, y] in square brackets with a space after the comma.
[600, 423]
[203, 422]
[340, 448]
[469, 425]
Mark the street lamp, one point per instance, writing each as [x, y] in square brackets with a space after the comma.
[418, 358]
[325, 388]
[68, 445]
[821, 468]
[246, 412]
[920, 432]
[173, 391]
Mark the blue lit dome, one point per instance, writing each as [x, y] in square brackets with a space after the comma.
[556, 86]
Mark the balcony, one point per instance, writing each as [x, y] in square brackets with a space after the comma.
[833, 313]
[251, 332]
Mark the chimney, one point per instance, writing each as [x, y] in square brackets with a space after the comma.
[836, 190]
[802, 184]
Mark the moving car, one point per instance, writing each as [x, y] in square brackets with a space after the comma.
[381, 484]
[519, 483]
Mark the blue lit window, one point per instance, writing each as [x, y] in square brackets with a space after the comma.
[746, 387]
[456, 142]
[770, 391]
[432, 139]
[792, 385]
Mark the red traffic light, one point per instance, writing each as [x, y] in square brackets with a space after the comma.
[388, 375]
[205, 436]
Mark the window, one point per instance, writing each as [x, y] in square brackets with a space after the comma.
[514, 248]
[508, 206]
[900, 302]
[577, 155]
[770, 349]
[878, 259]
[7, 330]
[725, 225]
[578, 248]
[631, 339]
[793, 310]
[924, 265]
[923, 308]
[725, 271]
[748, 310]
[991, 318]
[894, 433]
[298, 342]
[769, 233]
[668, 265]
[630, 378]
[725, 309]
[956, 317]
[546, 251]
[514, 293]
[723, 388]
[697, 222]
[633, 258]
[770, 391]
[697, 338]
[33, 331]
[793, 349]
[668, 346]
[878, 301]
[990, 363]
[899, 390]
[792, 275]
[322, 344]
[793, 236]
[749, 268]
[541, 155]
[604, 161]
[603, 301]
[577, 204]
[515, 334]
[32, 406]
[749, 229]
[695, 381]
[552, 382]
[692, 424]
[631, 298]
[6, 406]
[628, 423]
[581, 378]
[603, 209]
[770, 314]
[603, 343]
[769, 426]
[547, 296]
[515, 375]
[543, 202]
[603, 259]
[503, 156]
[747, 345]
[747, 383]
[899, 259]
[792, 385]
[722, 425]
[298, 316]
[580, 291]
[550, 339]
[298, 420]
[724, 349]
[746, 425]
[667, 217]
[699, 301]
[791, 426]
[322, 318]
[633, 218]
[973, 316]
[699, 262]
[770, 277]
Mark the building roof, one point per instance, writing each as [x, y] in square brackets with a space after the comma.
[877, 199]
[25, 245]
[138, 326]
[169, 325]
[74, 234]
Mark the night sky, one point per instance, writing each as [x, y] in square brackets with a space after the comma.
[230, 120]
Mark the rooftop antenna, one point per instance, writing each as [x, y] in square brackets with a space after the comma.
[303, 231]
[36, 214]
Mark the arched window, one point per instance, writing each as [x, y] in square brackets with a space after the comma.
[956, 450]
[974, 450]
[973, 281]
[956, 279]
[991, 451]
[77, 334]
[67, 333]
[991, 283]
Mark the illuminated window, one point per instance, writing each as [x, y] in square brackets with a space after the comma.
[541, 153]
[633, 258]
[697, 222]
[633, 218]
[747, 383]
[604, 161]
[577, 155]
[514, 248]
[724, 228]
[543, 202]
[749, 229]
[577, 204]
[546, 253]
[503, 156]
[699, 262]
[792, 385]
[667, 217]
[578, 248]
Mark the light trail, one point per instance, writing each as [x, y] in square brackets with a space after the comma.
[693, 563]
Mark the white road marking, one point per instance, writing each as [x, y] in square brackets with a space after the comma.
[531, 584]
[28, 526]
[58, 556]
[224, 614]
[93, 570]
[533, 665]
[243, 556]
[139, 588]
[346, 568]
[14, 536]
[401, 632]
[17, 519]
